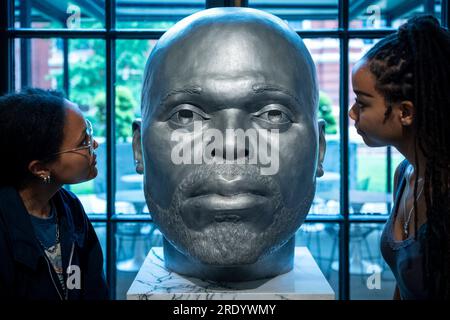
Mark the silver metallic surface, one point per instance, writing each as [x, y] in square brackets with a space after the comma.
[231, 68]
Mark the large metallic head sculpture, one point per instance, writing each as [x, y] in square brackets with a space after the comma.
[229, 144]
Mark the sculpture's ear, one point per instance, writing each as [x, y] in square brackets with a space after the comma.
[322, 148]
[137, 146]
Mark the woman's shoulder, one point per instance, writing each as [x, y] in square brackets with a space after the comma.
[402, 167]
[399, 172]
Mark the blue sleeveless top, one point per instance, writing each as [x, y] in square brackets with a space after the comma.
[405, 258]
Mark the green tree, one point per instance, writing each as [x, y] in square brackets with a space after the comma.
[87, 81]
[87, 75]
[131, 57]
[124, 112]
[326, 113]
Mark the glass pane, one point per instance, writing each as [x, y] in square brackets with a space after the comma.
[322, 240]
[87, 74]
[368, 166]
[39, 63]
[389, 13]
[325, 53]
[368, 194]
[86, 14]
[302, 14]
[131, 56]
[133, 243]
[370, 277]
[152, 14]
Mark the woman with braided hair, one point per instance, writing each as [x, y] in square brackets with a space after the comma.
[402, 88]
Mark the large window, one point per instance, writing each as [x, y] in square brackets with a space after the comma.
[95, 51]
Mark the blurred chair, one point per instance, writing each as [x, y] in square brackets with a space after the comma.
[362, 259]
[134, 241]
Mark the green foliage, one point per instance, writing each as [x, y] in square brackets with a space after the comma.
[325, 112]
[88, 80]
[124, 112]
[131, 56]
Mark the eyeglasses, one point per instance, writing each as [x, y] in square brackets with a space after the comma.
[88, 143]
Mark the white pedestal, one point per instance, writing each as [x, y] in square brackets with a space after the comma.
[304, 282]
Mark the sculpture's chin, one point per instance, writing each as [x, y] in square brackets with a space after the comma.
[227, 244]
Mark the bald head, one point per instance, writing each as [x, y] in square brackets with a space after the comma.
[229, 72]
[208, 51]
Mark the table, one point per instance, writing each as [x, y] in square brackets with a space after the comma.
[357, 198]
[134, 196]
[133, 178]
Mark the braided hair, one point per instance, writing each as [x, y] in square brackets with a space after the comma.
[414, 64]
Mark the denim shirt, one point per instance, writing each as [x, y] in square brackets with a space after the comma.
[404, 257]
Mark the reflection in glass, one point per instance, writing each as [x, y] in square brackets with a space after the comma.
[151, 14]
[45, 14]
[301, 14]
[389, 13]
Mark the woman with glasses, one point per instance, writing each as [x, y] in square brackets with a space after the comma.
[48, 247]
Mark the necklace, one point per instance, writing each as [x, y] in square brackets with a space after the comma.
[52, 249]
[407, 220]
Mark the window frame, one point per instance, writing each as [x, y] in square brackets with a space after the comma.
[110, 34]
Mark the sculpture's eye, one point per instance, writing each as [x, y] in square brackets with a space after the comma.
[275, 116]
[186, 116]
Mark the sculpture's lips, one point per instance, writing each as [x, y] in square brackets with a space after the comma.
[228, 200]
[227, 188]
[217, 200]
[233, 208]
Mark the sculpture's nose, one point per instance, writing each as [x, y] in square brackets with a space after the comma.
[232, 123]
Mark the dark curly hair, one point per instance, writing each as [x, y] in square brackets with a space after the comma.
[414, 64]
[31, 123]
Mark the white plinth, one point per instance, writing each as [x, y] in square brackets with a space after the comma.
[304, 282]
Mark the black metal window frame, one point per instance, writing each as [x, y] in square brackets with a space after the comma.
[110, 34]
